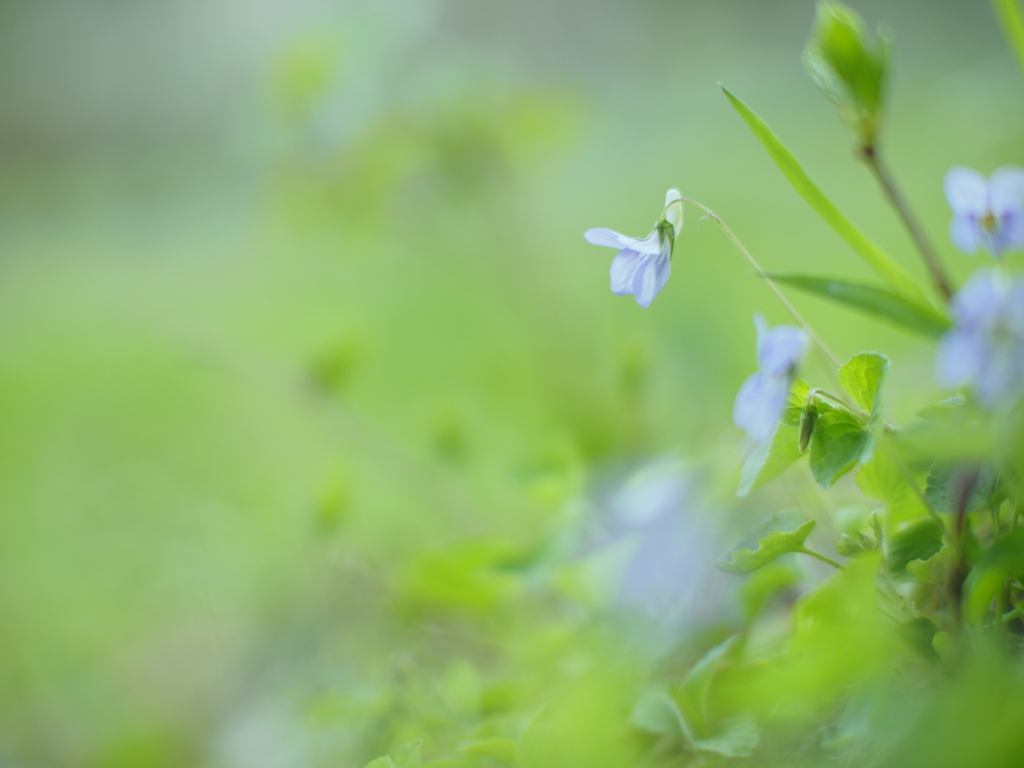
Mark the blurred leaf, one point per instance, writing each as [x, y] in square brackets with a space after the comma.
[862, 376]
[782, 533]
[839, 443]
[500, 749]
[917, 541]
[881, 478]
[738, 738]
[881, 263]
[1011, 19]
[657, 712]
[935, 570]
[897, 309]
[407, 755]
[758, 589]
[1004, 558]
[302, 74]
[947, 483]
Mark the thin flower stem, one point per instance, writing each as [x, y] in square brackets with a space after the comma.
[821, 557]
[738, 244]
[914, 229]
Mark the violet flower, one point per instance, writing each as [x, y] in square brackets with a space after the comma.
[642, 267]
[985, 347]
[762, 397]
[986, 213]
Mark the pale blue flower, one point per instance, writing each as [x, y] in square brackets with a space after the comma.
[985, 347]
[762, 397]
[987, 213]
[642, 267]
[652, 544]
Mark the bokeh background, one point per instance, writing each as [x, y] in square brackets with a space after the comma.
[309, 382]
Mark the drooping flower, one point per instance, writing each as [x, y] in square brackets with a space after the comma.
[987, 213]
[762, 397]
[642, 267]
[985, 347]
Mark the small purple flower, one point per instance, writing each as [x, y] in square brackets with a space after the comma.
[985, 347]
[986, 213]
[763, 396]
[642, 267]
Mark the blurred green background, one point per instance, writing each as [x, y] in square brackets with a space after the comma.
[305, 364]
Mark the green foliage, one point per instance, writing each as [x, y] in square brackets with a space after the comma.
[848, 68]
[406, 756]
[862, 378]
[769, 460]
[1011, 19]
[903, 312]
[501, 750]
[840, 442]
[875, 258]
[951, 485]
[782, 533]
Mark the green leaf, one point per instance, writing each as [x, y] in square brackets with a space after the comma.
[1002, 559]
[839, 443]
[877, 259]
[758, 589]
[933, 570]
[1011, 19]
[381, 762]
[881, 478]
[910, 315]
[407, 755]
[780, 534]
[500, 749]
[769, 460]
[918, 541]
[794, 409]
[947, 483]
[657, 712]
[738, 738]
[861, 377]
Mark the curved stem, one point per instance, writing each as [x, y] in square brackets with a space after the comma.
[738, 244]
[914, 229]
[821, 557]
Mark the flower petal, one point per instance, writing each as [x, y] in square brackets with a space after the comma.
[609, 238]
[1011, 230]
[960, 358]
[758, 404]
[674, 211]
[603, 236]
[624, 267]
[649, 279]
[965, 232]
[1006, 190]
[779, 349]
[966, 191]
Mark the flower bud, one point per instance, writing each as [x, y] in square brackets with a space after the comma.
[849, 68]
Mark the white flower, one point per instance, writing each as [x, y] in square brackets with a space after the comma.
[642, 267]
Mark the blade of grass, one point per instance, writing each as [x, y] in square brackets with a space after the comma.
[1011, 19]
[910, 315]
[877, 259]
